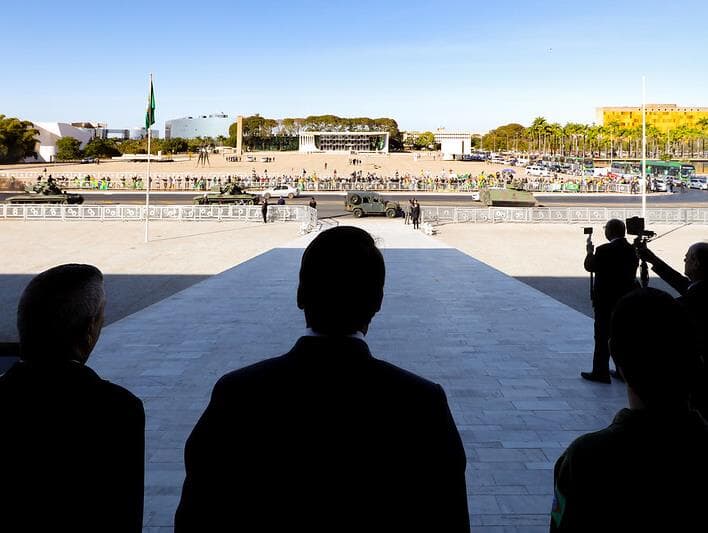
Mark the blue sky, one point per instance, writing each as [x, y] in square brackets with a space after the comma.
[460, 65]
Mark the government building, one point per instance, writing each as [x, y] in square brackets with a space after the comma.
[202, 126]
[343, 141]
[664, 117]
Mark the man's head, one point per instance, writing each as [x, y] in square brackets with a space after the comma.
[657, 365]
[341, 281]
[696, 262]
[60, 314]
[614, 229]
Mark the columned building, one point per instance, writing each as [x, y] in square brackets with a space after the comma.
[343, 141]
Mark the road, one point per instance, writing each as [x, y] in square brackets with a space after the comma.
[332, 204]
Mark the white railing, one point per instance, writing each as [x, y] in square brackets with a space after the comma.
[563, 215]
[306, 216]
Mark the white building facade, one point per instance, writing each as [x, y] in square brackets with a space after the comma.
[343, 141]
[202, 126]
[453, 143]
[51, 132]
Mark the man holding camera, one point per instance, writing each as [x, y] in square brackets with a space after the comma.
[615, 267]
[693, 290]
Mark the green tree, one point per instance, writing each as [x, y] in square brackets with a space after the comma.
[17, 139]
[425, 140]
[68, 149]
[101, 148]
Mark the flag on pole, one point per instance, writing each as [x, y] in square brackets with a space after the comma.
[150, 113]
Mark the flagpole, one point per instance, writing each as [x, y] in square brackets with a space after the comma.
[147, 189]
[644, 147]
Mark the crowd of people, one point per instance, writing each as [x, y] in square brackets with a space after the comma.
[444, 181]
[327, 437]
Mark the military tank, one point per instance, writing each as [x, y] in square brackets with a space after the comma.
[228, 194]
[45, 193]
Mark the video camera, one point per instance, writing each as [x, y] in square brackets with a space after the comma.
[635, 226]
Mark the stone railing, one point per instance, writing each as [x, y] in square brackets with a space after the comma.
[306, 216]
[563, 215]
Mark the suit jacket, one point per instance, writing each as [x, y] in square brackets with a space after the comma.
[615, 266]
[72, 451]
[324, 438]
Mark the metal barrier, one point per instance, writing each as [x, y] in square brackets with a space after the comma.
[563, 215]
[306, 216]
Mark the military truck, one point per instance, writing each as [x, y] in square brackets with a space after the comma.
[362, 203]
[227, 194]
[45, 193]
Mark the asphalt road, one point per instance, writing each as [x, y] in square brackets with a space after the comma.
[331, 205]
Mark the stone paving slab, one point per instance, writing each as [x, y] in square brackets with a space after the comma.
[507, 355]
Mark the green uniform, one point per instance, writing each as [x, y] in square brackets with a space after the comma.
[647, 471]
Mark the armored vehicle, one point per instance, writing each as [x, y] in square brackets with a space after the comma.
[45, 193]
[362, 203]
[227, 194]
[506, 198]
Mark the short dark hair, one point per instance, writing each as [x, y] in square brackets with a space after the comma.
[658, 365]
[615, 227]
[342, 277]
[56, 309]
[700, 252]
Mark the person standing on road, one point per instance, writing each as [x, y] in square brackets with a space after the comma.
[313, 202]
[415, 214]
[264, 209]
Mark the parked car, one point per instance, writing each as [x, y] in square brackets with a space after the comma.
[699, 182]
[88, 160]
[281, 190]
[535, 170]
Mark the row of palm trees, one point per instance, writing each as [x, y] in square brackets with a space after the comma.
[609, 141]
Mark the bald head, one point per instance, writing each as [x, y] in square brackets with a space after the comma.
[696, 262]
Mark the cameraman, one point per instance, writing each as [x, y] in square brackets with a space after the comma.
[693, 288]
[615, 267]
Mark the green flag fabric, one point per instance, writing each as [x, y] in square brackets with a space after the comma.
[150, 113]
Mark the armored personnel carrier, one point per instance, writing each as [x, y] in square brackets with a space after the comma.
[45, 193]
[227, 194]
[506, 198]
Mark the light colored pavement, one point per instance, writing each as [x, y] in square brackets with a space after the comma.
[136, 274]
[507, 355]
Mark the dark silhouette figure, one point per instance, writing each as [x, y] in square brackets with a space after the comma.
[693, 290]
[264, 209]
[647, 471]
[313, 202]
[327, 437]
[415, 214]
[615, 267]
[281, 201]
[72, 444]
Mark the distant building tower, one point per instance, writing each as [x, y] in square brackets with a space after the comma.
[203, 126]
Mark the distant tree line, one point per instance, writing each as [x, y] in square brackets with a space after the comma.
[261, 133]
[576, 139]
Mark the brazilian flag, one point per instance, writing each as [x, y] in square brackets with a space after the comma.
[150, 113]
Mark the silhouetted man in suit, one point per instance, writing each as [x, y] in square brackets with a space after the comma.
[327, 437]
[415, 214]
[72, 444]
[648, 470]
[615, 267]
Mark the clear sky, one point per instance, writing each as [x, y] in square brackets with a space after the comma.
[455, 64]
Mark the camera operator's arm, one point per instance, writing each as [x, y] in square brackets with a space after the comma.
[664, 271]
[590, 263]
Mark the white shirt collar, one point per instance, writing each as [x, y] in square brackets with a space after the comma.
[309, 332]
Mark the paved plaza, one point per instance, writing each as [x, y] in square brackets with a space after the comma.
[507, 355]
